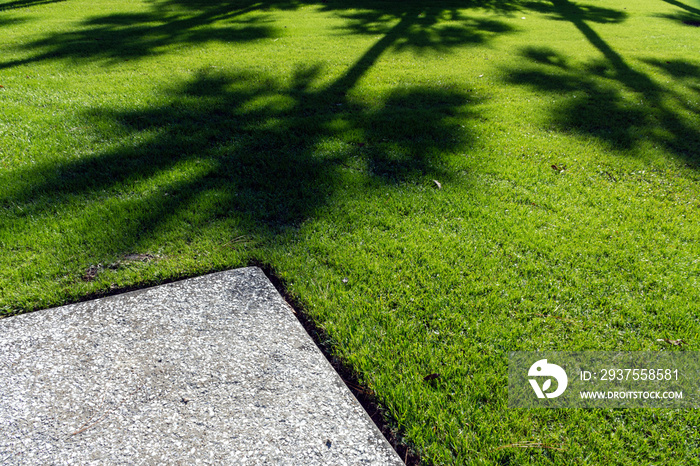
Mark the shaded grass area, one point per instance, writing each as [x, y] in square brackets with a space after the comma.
[25, 4]
[438, 183]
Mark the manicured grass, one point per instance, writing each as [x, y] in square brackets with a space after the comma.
[143, 141]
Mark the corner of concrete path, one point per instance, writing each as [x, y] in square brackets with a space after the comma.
[210, 370]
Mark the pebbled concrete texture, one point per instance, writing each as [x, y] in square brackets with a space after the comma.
[210, 370]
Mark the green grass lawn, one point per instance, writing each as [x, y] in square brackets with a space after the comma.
[438, 183]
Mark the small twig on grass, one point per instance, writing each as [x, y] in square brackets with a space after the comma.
[238, 240]
[531, 445]
[563, 319]
[612, 178]
[355, 387]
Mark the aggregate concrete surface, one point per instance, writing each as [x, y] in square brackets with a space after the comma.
[210, 370]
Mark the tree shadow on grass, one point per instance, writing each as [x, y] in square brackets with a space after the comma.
[122, 36]
[17, 4]
[265, 153]
[596, 95]
[12, 21]
[271, 167]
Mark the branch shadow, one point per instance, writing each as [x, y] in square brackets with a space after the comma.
[564, 10]
[690, 16]
[689, 9]
[590, 106]
[596, 94]
[429, 28]
[677, 69]
[684, 18]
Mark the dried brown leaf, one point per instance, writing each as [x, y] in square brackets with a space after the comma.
[91, 272]
[558, 169]
[672, 342]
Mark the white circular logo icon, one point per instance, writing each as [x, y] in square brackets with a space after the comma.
[542, 368]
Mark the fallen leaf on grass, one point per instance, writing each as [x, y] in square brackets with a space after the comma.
[672, 342]
[559, 169]
[430, 377]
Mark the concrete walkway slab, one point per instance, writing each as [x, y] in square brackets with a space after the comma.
[211, 370]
